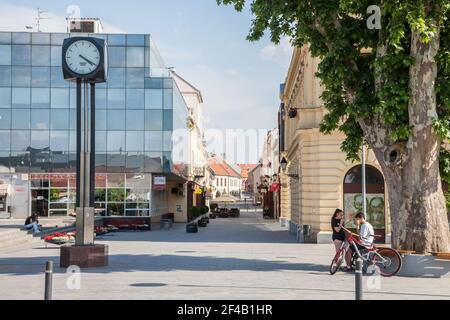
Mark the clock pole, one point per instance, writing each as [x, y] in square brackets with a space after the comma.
[86, 168]
[85, 253]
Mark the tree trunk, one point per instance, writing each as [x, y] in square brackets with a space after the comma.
[416, 199]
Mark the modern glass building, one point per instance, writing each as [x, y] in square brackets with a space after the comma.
[136, 113]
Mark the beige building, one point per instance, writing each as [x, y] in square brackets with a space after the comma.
[318, 179]
[184, 194]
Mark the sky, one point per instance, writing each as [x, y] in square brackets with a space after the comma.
[204, 42]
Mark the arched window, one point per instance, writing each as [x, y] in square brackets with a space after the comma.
[373, 176]
[374, 180]
[375, 201]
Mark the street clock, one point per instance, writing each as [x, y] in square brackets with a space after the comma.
[86, 59]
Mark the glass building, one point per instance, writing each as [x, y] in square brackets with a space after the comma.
[136, 113]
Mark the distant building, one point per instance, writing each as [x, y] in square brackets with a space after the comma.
[245, 170]
[226, 179]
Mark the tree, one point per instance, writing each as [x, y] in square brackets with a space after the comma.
[387, 87]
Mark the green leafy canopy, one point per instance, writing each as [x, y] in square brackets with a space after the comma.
[336, 32]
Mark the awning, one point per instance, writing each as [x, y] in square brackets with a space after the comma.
[275, 187]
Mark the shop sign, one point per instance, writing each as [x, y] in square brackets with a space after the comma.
[159, 183]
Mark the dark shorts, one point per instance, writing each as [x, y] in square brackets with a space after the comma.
[338, 238]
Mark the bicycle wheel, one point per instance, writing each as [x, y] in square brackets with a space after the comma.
[337, 261]
[391, 263]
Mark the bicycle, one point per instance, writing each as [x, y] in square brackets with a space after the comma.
[387, 260]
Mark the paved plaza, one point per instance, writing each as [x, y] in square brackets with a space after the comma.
[245, 258]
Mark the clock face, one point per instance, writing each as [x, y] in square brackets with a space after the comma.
[82, 57]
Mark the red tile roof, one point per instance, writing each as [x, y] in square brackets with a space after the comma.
[221, 168]
[246, 169]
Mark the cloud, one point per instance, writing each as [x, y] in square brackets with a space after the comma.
[278, 54]
[16, 18]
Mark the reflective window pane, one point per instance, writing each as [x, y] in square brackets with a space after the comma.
[5, 76]
[5, 37]
[153, 162]
[135, 40]
[167, 141]
[135, 57]
[40, 98]
[135, 140]
[40, 56]
[40, 139]
[135, 99]
[116, 99]
[100, 120]
[116, 141]
[60, 98]
[5, 98]
[100, 141]
[116, 163]
[20, 140]
[116, 120]
[153, 141]
[40, 38]
[40, 119]
[57, 78]
[135, 120]
[21, 76]
[168, 99]
[5, 140]
[72, 119]
[5, 55]
[21, 38]
[135, 78]
[116, 78]
[20, 119]
[153, 120]
[117, 40]
[5, 119]
[21, 55]
[59, 140]
[153, 99]
[56, 54]
[100, 99]
[40, 77]
[117, 57]
[21, 98]
[60, 119]
[57, 39]
[168, 120]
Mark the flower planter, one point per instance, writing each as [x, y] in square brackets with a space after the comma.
[202, 224]
[192, 228]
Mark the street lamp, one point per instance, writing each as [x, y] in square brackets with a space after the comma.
[283, 165]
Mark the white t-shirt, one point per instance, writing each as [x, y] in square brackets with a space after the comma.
[366, 233]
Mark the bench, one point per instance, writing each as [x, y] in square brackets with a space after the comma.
[406, 252]
[441, 255]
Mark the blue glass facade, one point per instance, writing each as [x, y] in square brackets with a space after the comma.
[136, 113]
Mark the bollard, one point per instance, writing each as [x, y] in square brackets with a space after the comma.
[48, 280]
[359, 279]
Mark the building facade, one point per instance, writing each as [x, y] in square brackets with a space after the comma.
[318, 178]
[269, 180]
[196, 155]
[226, 180]
[245, 170]
[137, 111]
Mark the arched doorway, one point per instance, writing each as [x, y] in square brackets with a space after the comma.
[353, 203]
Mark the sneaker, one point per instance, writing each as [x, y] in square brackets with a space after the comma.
[347, 269]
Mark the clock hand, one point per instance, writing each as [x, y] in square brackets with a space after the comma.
[87, 60]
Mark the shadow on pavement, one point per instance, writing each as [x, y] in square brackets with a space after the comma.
[149, 263]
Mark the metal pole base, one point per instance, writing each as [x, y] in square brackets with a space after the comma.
[85, 227]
